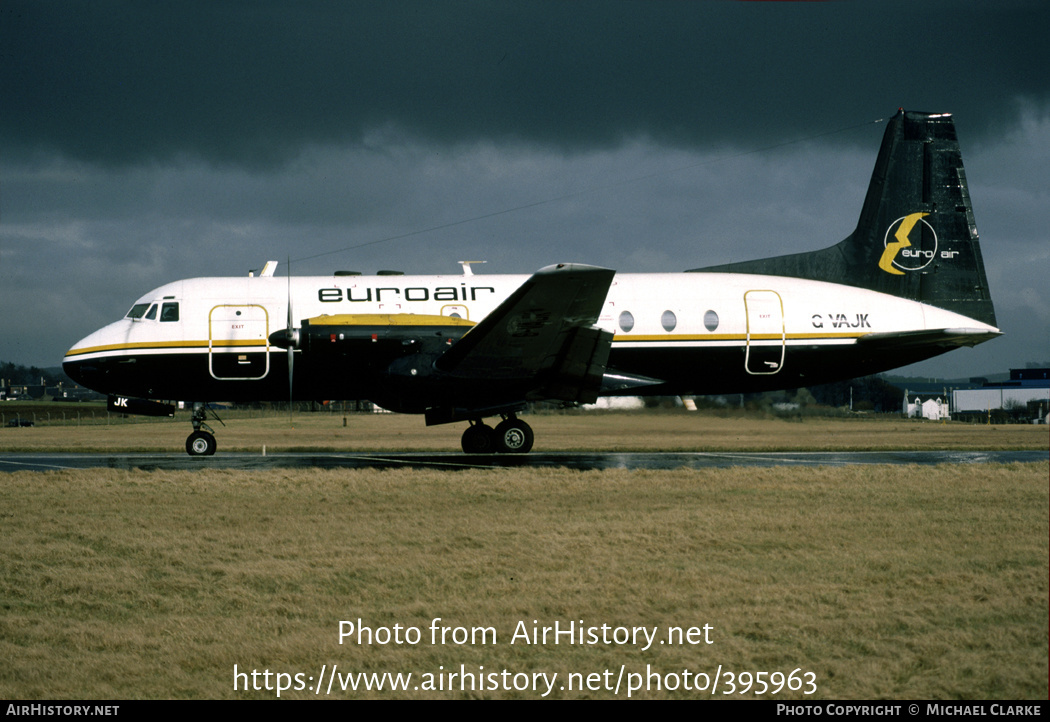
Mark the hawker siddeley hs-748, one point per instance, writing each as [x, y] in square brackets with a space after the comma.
[907, 284]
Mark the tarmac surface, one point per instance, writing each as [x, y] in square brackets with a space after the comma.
[449, 461]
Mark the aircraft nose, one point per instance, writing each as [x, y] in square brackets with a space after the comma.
[81, 371]
[80, 365]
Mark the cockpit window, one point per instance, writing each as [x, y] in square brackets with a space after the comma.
[169, 312]
[138, 310]
[151, 314]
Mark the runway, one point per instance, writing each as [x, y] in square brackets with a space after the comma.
[449, 461]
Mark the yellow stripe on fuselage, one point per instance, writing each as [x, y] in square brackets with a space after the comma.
[737, 337]
[161, 345]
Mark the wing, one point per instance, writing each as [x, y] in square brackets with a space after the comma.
[542, 335]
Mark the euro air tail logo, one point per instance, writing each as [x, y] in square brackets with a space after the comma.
[900, 255]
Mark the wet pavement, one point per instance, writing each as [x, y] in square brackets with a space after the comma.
[449, 461]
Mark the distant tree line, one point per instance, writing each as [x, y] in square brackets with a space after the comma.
[870, 393]
[18, 375]
[867, 393]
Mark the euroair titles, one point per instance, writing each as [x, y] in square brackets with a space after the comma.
[907, 284]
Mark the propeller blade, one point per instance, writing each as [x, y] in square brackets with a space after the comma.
[291, 345]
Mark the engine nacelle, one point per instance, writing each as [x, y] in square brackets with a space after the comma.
[371, 341]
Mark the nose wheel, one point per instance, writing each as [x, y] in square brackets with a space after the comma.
[202, 441]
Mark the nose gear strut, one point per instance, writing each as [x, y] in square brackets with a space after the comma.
[202, 441]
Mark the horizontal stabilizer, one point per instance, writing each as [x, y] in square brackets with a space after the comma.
[944, 337]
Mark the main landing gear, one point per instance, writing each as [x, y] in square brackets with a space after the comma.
[511, 436]
[201, 443]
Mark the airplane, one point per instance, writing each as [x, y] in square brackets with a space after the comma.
[907, 284]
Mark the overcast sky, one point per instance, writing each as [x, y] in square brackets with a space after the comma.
[142, 142]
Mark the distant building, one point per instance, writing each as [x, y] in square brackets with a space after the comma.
[933, 408]
[73, 393]
[14, 393]
[1025, 396]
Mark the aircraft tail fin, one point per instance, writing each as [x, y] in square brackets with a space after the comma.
[916, 237]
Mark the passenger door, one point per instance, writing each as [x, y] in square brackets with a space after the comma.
[238, 342]
[765, 333]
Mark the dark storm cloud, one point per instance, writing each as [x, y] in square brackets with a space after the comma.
[142, 142]
[253, 83]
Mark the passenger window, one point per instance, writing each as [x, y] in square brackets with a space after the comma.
[710, 320]
[169, 312]
[151, 314]
[668, 320]
[626, 321]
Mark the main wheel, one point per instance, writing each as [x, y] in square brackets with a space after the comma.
[478, 439]
[514, 436]
[200, 443]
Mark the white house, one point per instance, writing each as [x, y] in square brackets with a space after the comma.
[933, 408]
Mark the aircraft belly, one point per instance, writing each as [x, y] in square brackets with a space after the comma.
[723, 369]
[190, 377]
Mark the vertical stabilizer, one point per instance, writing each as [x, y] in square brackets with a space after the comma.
[916, 237]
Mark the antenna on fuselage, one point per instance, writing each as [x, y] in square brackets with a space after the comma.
[467, 270]
[267, 270]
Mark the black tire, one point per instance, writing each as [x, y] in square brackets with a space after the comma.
[514, 436]
[200, 443]
[478, 439]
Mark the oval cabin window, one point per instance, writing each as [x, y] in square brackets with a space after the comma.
[710, 320]
[626, 321]
[668, 320]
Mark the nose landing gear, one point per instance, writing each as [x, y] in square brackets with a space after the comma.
[201, 442]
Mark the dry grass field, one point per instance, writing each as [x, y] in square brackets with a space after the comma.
[879, 581]
[865, 582]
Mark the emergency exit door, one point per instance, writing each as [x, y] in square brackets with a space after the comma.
[238, 342]
[766, 336]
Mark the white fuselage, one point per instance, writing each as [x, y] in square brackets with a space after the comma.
[700, 332]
